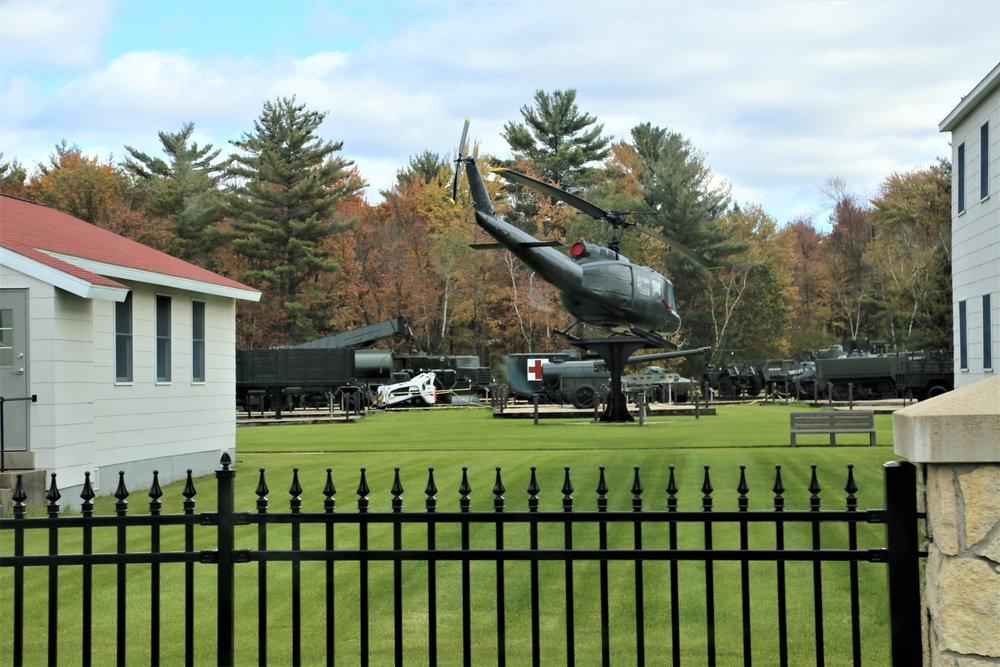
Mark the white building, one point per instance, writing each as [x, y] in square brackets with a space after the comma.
[129, 352]
[975, 229]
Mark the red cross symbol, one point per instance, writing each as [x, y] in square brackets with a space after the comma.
[535, 369]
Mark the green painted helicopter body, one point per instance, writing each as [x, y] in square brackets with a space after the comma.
[597, 285]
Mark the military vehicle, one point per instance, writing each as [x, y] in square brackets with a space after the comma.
[566, 377]
[286, 378]
[732, 377]
[773, 371]
[318, 372]
[659, 385]
[866, 370]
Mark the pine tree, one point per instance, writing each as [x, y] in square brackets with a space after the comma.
[557, 140]
[287, 182]
[12, 178]
[184, 191]
[689, 205]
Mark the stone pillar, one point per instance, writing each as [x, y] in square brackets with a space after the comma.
[955, 439]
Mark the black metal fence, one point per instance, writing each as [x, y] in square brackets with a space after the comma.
[464, 569]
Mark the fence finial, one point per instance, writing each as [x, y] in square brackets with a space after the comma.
[363, 492]
[742, 489]
[602, 492]
[567, 491]
[431, 491]
[498, 491]
[814, 489]
[465, 502]
[636, 492]
[87, 496]
[397, 493]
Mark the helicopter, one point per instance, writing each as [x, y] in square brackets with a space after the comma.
[597, 285]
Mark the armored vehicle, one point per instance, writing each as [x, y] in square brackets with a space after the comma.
[773, 370]
[659, 385]
[865, 370]
[732, 377]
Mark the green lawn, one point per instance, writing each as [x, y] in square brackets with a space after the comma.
[755, 436]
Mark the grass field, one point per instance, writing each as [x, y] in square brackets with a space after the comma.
[755, 436]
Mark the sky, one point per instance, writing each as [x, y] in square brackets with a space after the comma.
[779, 96]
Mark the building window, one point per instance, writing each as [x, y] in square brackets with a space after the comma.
[960, 181]
[162, 338]
[123, 339]
[984, 161]
[987, 334]
[963, 338]
[197, 341]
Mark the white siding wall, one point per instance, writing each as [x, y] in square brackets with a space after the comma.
[144, 424]
[85, 421]
[976, 241]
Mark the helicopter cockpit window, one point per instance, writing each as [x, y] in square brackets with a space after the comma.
[643, 285]
[658, 289]
[670, 296]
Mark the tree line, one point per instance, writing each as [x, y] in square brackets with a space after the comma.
[284, 212]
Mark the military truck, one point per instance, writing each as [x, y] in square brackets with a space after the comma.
[286, 378]
[336, 370]
[732, 377]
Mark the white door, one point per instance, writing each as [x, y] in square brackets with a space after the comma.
[14, 386]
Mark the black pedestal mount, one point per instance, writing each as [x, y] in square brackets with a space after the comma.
[615, 351]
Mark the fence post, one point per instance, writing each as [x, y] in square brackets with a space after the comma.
[902, 539]
[226, 583]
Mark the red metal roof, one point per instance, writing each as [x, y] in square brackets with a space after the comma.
[26, 226]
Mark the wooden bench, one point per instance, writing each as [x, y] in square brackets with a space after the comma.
[832, 423]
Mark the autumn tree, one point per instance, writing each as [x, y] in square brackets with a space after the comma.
[285, 184]
[746, 299]
[81, 186]
[800, 253]
[850, 270]
[184, 192]
[910, 258]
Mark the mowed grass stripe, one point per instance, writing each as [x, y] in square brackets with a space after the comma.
[449, 440]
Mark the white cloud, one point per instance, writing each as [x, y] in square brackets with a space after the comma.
[64, 33]
[780, 96]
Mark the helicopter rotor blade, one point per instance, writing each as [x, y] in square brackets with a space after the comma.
[674, 243]
[458, 161]
[615, 218]
[554, 192]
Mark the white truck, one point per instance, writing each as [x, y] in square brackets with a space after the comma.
[419, 388]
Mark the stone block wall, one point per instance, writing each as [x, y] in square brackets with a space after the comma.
[955, 439]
